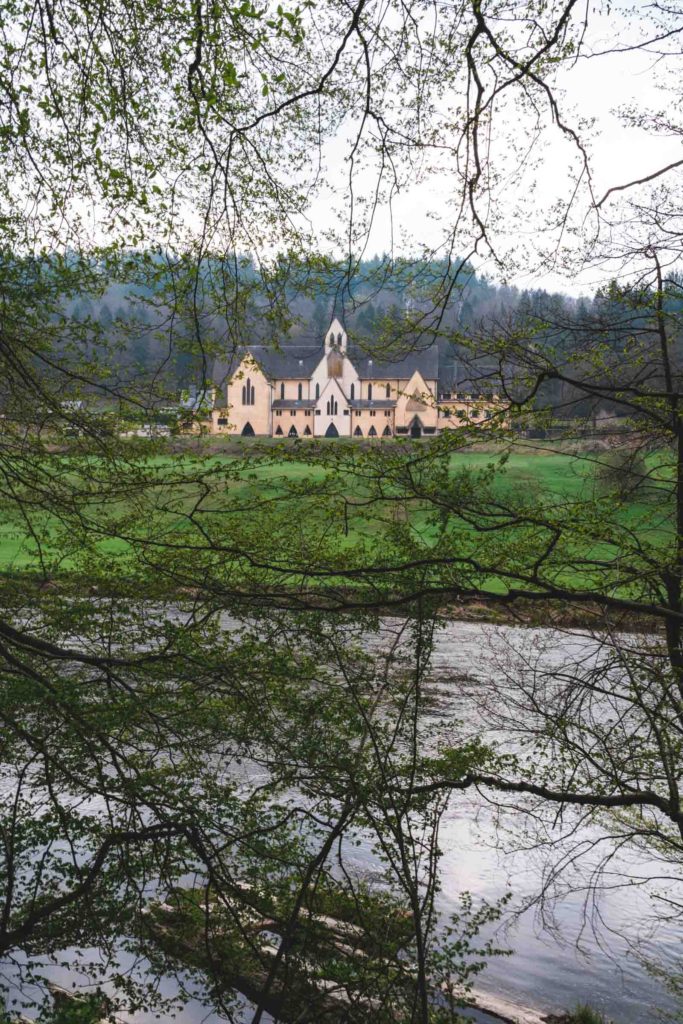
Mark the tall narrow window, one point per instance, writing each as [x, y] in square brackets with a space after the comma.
[353, 391]
[248, 393]
[299, 392]
[370, 391]
[317, 392]
[388, 391]
[282, 391]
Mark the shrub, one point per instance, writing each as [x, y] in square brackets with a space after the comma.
[623, 472]
[584, 1014]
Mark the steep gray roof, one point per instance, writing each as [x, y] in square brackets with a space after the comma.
[300, 361]
[292, 361]
[425, 360]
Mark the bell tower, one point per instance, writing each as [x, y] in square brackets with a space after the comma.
[336, 338]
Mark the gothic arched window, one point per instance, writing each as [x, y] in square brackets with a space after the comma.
[317, 392]
[388, 391]
[370, 391]
[299, 393]
[282, 391]
[353, 391]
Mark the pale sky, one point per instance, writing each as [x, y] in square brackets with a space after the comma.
[593, 88]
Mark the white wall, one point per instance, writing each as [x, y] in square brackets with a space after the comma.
[342, 422]
[348, 377]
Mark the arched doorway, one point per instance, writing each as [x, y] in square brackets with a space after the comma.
[307, 432]
[248, 430]
[372, 432]
[358, 432]
[416, 427]
[387, 431]
[293, 432]
[331, 431]
[278, 432]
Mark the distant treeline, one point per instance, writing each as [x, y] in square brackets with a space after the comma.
[173, 324]
[159, 323]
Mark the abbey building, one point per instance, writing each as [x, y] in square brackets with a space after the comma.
[326, 392]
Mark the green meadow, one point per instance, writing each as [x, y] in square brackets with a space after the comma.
[251, 495]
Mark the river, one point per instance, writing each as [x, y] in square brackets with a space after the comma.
[583, 956]
[546, 969]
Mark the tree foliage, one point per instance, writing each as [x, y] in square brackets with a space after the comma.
[192, 731]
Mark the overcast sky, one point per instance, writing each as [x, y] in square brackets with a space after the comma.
[591, 88]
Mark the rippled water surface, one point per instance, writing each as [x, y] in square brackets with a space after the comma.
[545, 970]
[584, 957]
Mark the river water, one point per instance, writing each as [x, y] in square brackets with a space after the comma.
[585, 957]
[583, 954]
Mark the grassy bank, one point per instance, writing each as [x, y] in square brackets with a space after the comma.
[172, 495]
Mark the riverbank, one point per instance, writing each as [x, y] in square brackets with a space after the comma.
[500, 1009]
[492, 1008]
[534, 614]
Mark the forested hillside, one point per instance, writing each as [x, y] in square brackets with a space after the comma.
[376, 302]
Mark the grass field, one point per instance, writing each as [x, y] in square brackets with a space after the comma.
[297, 487]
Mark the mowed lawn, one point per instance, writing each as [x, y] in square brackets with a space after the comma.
[298, 488]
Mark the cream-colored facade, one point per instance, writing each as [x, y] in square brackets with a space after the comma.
[324, 392]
